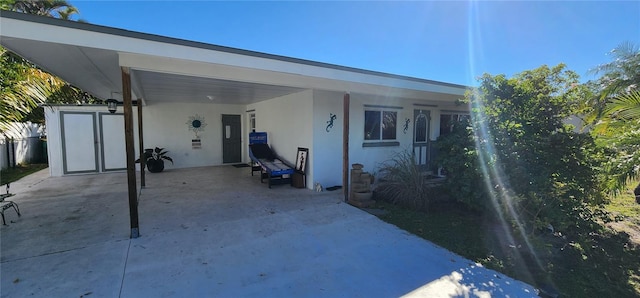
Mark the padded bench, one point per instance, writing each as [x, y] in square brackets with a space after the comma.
[6, 204]
[271, 167]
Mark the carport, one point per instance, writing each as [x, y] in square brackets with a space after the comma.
[142, 68]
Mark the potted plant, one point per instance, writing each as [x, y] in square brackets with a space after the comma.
[154, 159]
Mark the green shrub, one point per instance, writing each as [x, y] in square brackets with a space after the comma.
[459, 158]
[520, 161]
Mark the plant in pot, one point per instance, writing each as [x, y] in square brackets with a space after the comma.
[154, 159]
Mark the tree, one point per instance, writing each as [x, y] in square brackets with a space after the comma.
[622, 139]
[50, 8]
[623, 73]
[23, 86]
[618, 76]
[13, 71]
[519, 159]
[618, 122]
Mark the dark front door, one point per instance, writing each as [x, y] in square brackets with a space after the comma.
[421, 143]
[231, 139]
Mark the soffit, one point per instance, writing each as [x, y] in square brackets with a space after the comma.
[166, 87]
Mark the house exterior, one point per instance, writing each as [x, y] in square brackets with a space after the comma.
[228, 93]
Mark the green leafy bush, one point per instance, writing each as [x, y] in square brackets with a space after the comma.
[458, 157]
[520, 160]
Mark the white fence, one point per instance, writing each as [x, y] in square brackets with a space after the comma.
[3, 155]
[22, 145]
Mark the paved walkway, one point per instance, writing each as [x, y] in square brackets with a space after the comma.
[218, 232]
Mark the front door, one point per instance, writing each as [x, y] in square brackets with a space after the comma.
[231, 139]
[421, 143]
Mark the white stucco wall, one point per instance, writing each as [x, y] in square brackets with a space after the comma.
[287, 120]
[371, 157]
[165, 126]
[577, 123]
[327, 145]
[54, 142]
[291, 121]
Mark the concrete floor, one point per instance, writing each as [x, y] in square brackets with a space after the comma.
[218, 232]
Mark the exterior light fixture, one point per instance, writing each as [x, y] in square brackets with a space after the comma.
[112, 105]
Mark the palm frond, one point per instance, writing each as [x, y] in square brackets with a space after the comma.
[625, 106]
[623, 52]
[26, 96]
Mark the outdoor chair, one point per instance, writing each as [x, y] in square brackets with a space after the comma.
[5, 204]
[271, 167]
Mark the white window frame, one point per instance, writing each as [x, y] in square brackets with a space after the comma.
[380, 142]
[252, 122]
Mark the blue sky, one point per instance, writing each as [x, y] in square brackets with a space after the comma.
[449, 41]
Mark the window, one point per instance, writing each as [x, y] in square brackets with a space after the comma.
[447, 121]
[252, 122]
[380, 125]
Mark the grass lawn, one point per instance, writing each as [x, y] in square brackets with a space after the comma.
[602, 264]
[13, 174]
[624, 206]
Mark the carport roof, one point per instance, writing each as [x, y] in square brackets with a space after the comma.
[169, 69]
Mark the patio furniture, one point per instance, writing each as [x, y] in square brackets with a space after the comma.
[5, 204]
[270, 165]
[299, 177]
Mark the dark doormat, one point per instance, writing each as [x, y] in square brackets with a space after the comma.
[241, 165]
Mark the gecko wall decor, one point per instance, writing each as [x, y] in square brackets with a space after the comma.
[332, 117]
[406, 125]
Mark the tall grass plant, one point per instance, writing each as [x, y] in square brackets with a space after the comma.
[402, 182]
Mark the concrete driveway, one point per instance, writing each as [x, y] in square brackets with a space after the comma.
[219, 232]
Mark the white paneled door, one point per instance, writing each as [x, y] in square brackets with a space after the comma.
[79, 143]
[113, 154]
[89, 145]
[421, 142]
